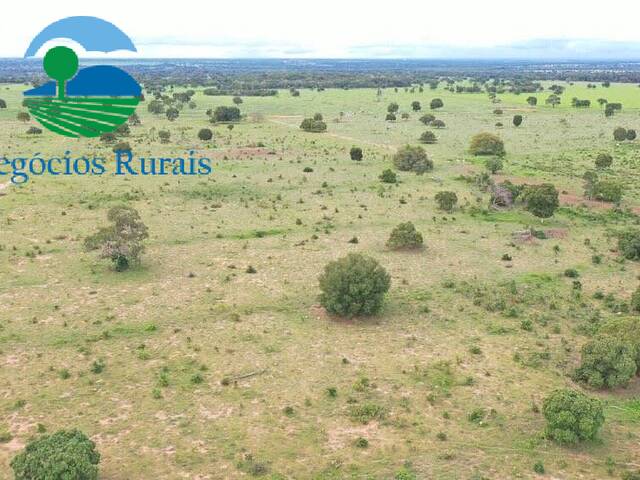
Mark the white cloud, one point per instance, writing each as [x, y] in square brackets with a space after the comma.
[332, 28]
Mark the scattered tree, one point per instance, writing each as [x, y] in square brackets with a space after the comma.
[354, 285]
[388, 176]
[604, 160]
[606, 363]
[120, 242]
[355, 153]
[23, 116]
[312, 125]
[446, 200]
[541, 200]
[436, 103]
[414, 159]
[493, 164]
[205, 134]
[427, 118]
[428, 137]
[415, 106]
[572, 416]
[486, 144]
[405, 236]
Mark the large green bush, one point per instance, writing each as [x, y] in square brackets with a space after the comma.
[572, 416]
[405, 236]
[65, 455]
[629, 244]
[354, 285]
[486, 144]
[414, 159]
[541, 200]
[607, 362]
[626, 329]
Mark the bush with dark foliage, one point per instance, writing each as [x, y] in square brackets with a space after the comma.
[354, 285]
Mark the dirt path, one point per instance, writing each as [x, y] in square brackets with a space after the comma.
[274, 119]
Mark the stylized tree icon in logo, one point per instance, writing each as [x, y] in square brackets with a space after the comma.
[89, 101]
[61, 64]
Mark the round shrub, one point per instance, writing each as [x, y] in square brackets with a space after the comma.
[437, 123]
[620, 134]
[388, 176]
[405, 236]
[493, 164]
[486, 144]
[205, 134]
[355, 153]
[517, 120]
[607, 362]
[631, 135]
[541, 200]
[427, 118]
[604, 160]
[413, 159]
[428, 137]
[67, 455]
[391, 117]
[354, 285]
[446, 200]
[572, 416]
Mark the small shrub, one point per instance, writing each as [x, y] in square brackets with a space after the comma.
[205, 134]
[354, 285]
[413, 159]
[538, 467]
[63, 455]
[494, 164]
[313, 125]
[388, 176]
[405, 236]
[606, 363]
[486, 144]
[428, 137]
[604, 160]
[517, 120]
[355, 153]
[367, 412]
[446, 200]
[620, 134]
[572, 416]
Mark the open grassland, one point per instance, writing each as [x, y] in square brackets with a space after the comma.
[207, 371]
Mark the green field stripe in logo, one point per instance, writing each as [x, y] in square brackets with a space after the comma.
[102, 100]
[89, 114]
[75, 128]
[54, 128]
[101, 125]
[69, 103]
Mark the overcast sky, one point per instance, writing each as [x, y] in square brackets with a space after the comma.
[350, 28]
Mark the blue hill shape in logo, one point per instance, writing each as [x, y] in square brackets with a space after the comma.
[95, 101]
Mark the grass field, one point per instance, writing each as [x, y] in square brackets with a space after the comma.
[211, 372]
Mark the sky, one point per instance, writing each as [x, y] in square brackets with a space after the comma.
[559, 29]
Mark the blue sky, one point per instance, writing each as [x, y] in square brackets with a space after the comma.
[543, 29]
